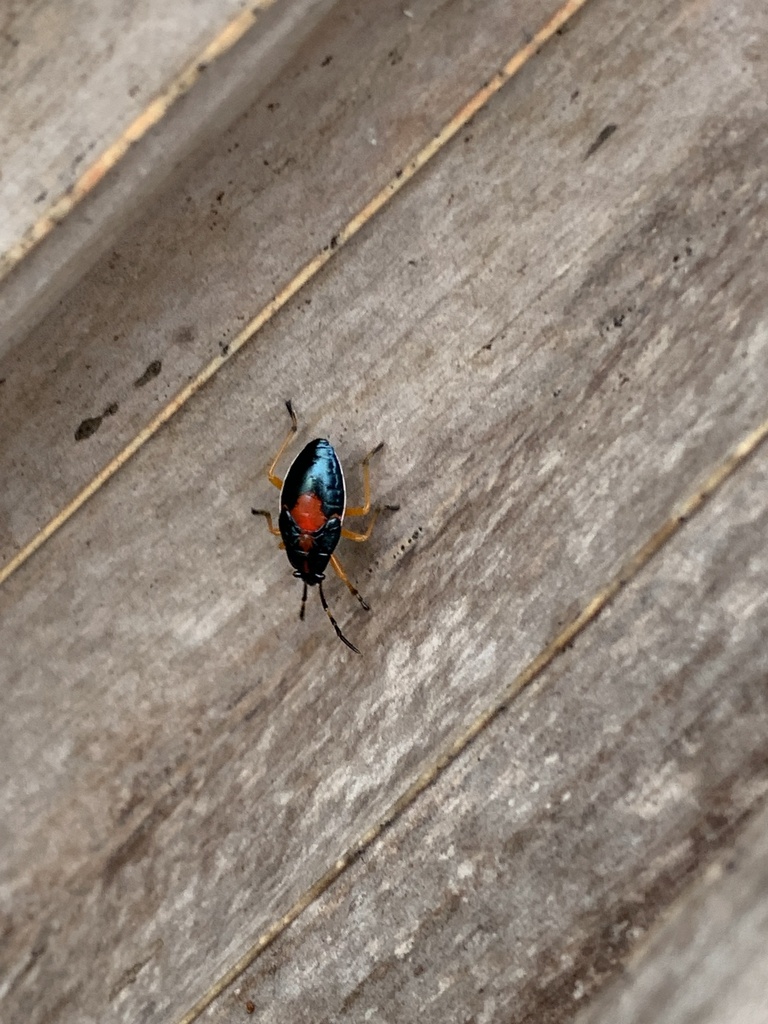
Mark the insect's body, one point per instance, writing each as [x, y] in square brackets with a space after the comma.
[312, 502]
[312, 510]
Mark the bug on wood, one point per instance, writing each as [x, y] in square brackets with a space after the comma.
[312, 512]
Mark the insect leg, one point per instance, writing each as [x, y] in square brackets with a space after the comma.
[273, 478]
[334, 623]
[365, 508]
[353, 535]
[303, 603]
[268, 516]
[352, 588]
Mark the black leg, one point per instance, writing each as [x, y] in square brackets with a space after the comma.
[334, 623]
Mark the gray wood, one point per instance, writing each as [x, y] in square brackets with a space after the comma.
[556, 348]
[73, 79]
[76, 81]
[237, 223]
[709, 961]
[519, 882]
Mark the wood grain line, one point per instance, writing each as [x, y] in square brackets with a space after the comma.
[629, 570]
[305, 274]
[147, 119]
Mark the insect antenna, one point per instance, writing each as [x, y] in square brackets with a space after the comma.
[334, 623]
[303, 603]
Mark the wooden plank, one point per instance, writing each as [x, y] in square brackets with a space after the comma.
[709, 961]
[72, 82]
[100, 106]
[535, 344]
[521, 880]
[242, 217]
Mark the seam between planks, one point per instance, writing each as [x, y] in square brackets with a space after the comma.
[306, 273]
[152, 114]
[589, 613]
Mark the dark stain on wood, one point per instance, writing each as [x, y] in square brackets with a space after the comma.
[149, 374]
[89, 426]
[129, 976]
[602, 137]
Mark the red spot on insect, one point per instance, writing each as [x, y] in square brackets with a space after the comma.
[308, 513]
[305, 542]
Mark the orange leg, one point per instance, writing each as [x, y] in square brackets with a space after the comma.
[365, 508]
[353, 535]
[268, 516]
[350, 585]
[273, 478]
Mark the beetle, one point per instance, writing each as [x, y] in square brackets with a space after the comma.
[312, 512]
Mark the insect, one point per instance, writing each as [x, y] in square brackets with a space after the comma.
[312, 512]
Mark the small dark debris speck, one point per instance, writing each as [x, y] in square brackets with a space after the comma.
[250, 1006]
[327, 60]
[602, 137]
[334, 241]
[151, 372]
[111, 409]
[88, 427]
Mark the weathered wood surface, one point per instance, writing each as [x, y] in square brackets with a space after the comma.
[73, 78]
[99, 103]
[517, 883]
[557, 343]
[709, 962]
[238, 224]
